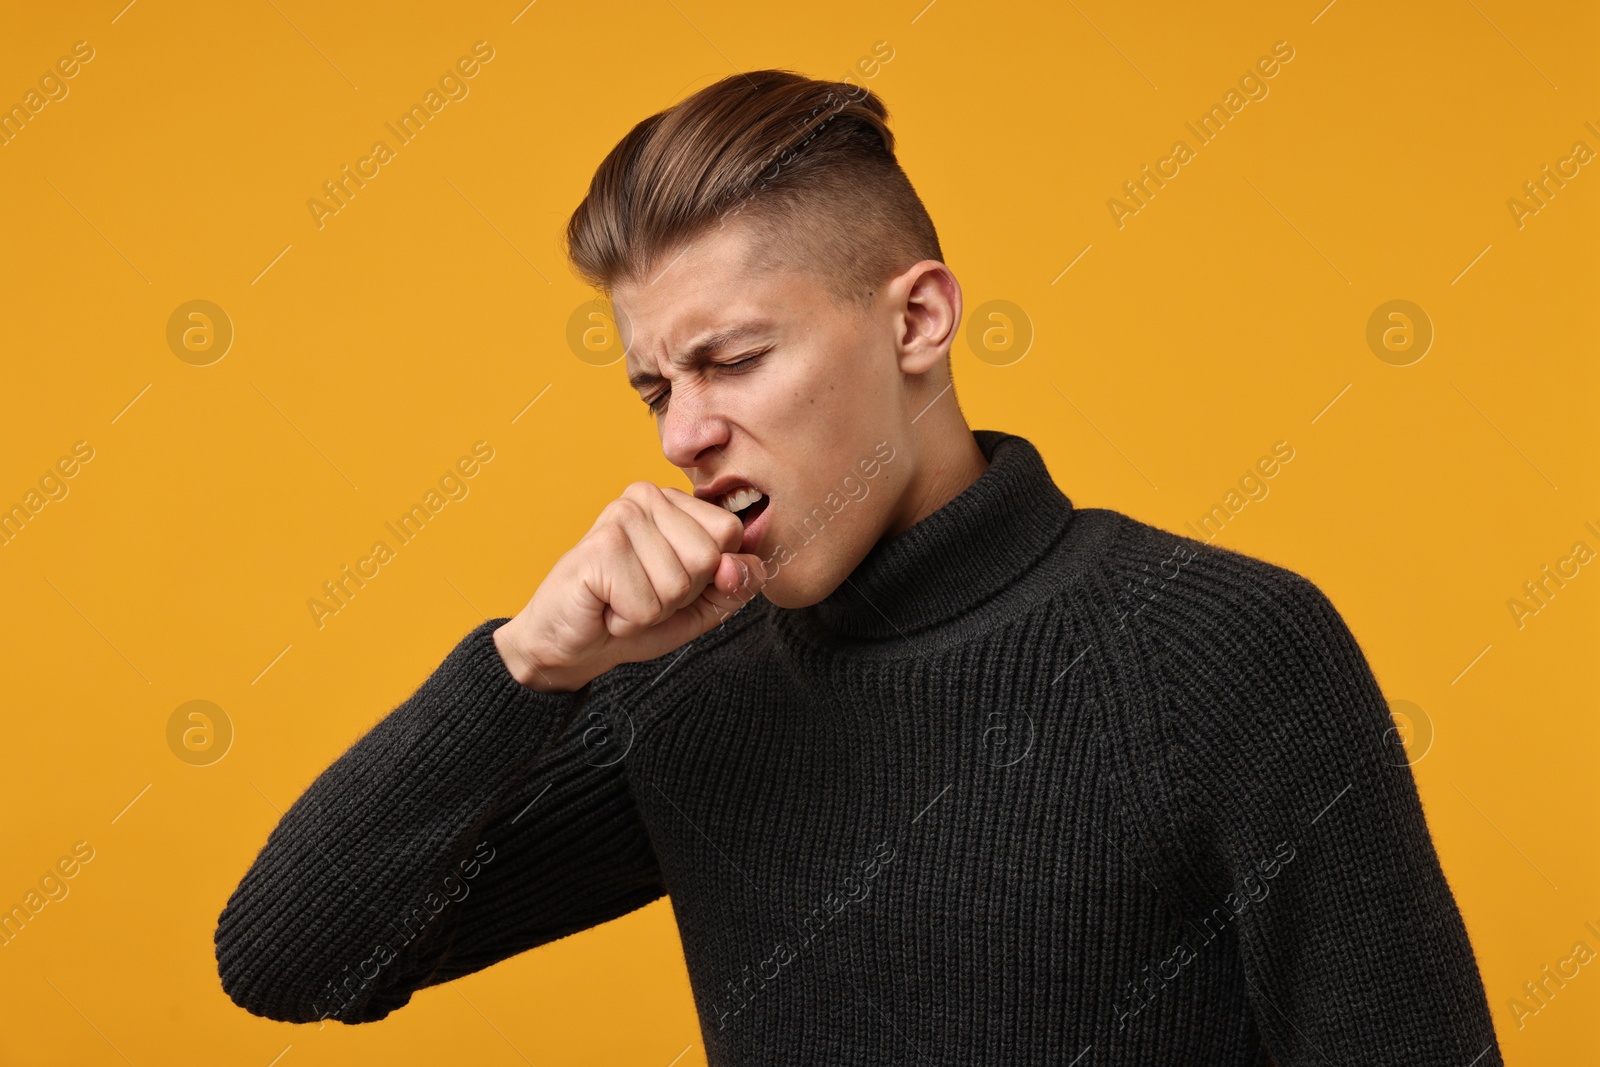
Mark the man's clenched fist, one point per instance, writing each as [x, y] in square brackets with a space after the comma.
[658, 568]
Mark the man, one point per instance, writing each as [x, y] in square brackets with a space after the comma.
[935, 766]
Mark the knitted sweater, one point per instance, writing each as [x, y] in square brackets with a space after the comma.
[1037, 784]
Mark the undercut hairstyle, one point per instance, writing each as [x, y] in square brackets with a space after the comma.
[809, 165]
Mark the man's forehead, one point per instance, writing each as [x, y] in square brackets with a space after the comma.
[676, 304]
[704, 269]
[722, 290]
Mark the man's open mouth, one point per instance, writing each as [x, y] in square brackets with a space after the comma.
[748, 515]
[746, 502]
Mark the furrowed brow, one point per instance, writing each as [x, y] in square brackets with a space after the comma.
[699, 351]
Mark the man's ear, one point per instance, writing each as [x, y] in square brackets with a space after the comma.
[928, 314]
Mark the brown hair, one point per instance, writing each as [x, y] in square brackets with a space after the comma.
[813, 161]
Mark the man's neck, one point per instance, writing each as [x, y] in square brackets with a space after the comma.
[948, 461]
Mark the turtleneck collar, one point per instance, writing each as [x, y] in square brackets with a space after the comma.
[954, 559]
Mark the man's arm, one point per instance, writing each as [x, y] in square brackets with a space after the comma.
[452, 834]
[477, 820]
[1300, 828]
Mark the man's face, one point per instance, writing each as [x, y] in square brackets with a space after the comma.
[802, 400]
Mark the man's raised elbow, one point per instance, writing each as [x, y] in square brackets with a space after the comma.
[262, 980]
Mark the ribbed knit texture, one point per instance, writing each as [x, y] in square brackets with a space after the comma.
[1035, 785]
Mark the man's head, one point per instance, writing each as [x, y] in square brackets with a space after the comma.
[767, 214]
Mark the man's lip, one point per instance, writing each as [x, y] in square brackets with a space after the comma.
[751, 542]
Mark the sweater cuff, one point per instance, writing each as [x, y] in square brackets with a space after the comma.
[481, 713]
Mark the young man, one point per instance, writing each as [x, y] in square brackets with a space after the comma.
[936, 766]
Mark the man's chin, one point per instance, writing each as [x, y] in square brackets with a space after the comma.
[790, 587]
[783, 597]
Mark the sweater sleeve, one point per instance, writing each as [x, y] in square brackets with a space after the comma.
[1302, 836]
[478, 819]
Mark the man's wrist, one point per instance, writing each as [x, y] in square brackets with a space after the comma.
[525, 667]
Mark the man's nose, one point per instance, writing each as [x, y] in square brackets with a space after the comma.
[689, 428]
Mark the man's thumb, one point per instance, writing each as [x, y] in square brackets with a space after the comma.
[738, 579]
[732, 587]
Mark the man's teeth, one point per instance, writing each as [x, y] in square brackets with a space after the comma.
[742, 498]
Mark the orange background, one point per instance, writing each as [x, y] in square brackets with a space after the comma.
[432, 311]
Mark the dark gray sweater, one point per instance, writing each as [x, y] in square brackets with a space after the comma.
[1036, 785]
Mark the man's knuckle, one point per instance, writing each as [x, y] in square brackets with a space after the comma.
[624, 510]
[703, 560]
[676, 589]
[611, 541]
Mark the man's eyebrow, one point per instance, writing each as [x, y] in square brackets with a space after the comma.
[706, 346]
